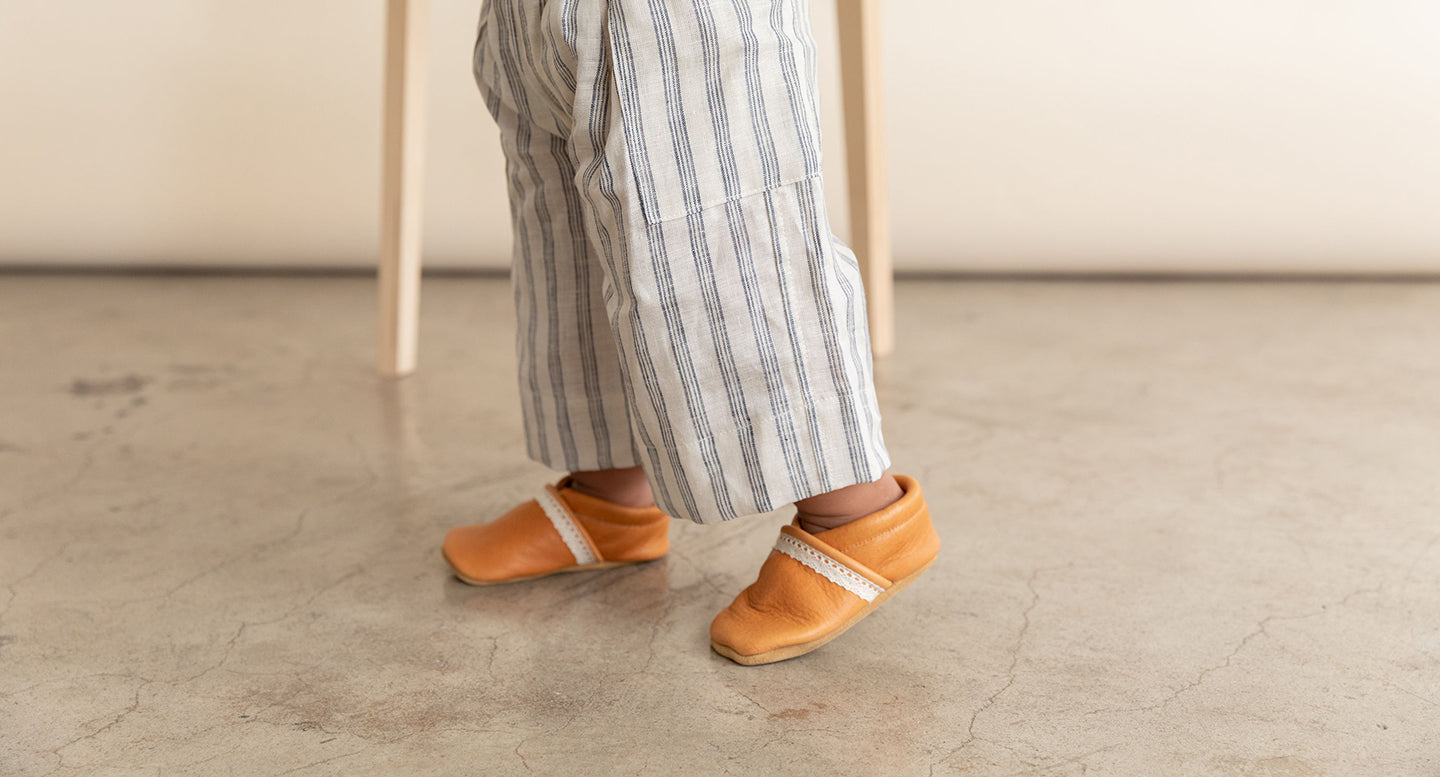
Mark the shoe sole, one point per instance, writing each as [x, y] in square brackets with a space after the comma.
[563, 570]
[794, 651]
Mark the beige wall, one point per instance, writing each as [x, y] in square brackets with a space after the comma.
[1031, 134]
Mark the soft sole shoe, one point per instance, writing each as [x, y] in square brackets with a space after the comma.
[561, 530]
[814, 587]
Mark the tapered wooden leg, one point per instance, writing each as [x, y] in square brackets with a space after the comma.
[859, 24]
[404, 162]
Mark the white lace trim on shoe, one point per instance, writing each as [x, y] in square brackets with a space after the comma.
[828, 568]
[565, 525]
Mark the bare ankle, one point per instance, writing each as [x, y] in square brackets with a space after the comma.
[625, 486]
[833, 509]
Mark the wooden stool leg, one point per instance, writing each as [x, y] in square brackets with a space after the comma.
[401, 188]
[859, 26]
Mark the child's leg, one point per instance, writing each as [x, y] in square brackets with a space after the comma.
[740, 317]
[626, 486]
[740, 313]
[833, 509]
[571, 386]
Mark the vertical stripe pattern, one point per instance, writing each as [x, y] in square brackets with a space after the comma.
[682, 303]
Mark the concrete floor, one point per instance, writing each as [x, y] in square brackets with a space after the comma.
[1191, 529]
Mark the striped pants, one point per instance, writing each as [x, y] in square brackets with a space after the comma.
[682, 303]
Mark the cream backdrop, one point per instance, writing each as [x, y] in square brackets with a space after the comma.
[1130, 135]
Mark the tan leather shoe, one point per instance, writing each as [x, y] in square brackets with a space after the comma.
[813, 587]
[561, 530]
